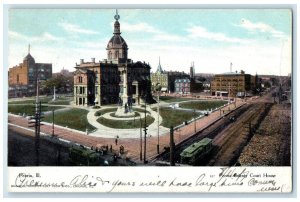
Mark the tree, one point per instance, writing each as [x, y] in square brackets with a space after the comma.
[62, 83]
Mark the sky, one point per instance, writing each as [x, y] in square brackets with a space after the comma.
[253, 40]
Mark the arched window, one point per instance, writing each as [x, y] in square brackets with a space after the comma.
[117, 54]
[109, 55]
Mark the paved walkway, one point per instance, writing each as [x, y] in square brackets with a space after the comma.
[107, 132]
[132, 145]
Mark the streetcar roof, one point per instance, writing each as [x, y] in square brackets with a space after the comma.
[82, 151]
[188, 152]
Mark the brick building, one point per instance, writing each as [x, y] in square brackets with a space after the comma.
[97, 83]
[183, 86]
[233, 84]
[22, 79]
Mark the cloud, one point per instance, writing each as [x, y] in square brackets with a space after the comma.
[74, 29]
[139, 27]
[167, 37]
[158, 35]
[201, 32]
[44, 37]
[260, 27]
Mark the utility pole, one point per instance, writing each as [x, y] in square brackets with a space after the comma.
[141, 140]
[53, 122]
[145, 129]
[195, 120]
[158, 123]
[37, 123]
[172, 163]
[158, 89]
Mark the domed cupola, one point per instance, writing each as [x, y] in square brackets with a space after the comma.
[117, 46]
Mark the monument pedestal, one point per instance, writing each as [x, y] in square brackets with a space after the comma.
[123, 112]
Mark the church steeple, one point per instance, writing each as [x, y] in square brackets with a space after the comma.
[159, 69]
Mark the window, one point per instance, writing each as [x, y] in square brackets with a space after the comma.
[117, 54]
[97, 78]
[80, 79]
[81, 89]
[18, 78]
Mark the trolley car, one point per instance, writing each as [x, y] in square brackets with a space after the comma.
[197, 151]
[81, 156]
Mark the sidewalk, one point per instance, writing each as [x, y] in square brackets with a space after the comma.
[131, 142]
[106, 132]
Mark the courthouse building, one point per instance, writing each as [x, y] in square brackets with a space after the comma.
[97, 83]
[23, 78]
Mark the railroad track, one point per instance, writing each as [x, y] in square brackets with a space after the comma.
[210, 132]
[231, 141]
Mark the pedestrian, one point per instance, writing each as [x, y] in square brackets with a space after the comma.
[110, 148]
[116, 141]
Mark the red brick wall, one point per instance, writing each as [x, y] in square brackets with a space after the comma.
[20, 70]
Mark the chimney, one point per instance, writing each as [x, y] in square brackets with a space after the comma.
[93, 60]
[81, 61]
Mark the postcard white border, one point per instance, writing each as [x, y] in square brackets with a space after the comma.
[151, 179]
[11, 172]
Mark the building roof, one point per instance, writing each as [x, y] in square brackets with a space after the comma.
[28, 57]
[117, 41]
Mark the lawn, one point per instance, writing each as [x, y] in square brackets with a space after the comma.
[104, 111]
[122, 124]
[30, 101]
[173, 117]
[44, 100]
[28, 109]
[60, 102]
[173, 99]
[73, 118]
[202, 105]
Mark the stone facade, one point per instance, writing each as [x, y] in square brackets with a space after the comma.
[22, 79]
[103, 82]
[160, 77]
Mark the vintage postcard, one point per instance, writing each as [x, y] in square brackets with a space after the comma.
[150, 100]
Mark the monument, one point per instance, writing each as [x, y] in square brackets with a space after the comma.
[125, 101]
